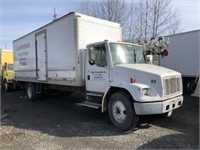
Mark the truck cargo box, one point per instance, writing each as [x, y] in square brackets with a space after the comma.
[52, 53]
[184, 53]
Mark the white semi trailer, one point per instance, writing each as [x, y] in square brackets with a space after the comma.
[83, 53]
[184, 57]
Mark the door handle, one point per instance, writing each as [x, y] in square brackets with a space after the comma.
[88, 77]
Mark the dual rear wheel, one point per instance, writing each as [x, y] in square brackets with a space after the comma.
[31, 91]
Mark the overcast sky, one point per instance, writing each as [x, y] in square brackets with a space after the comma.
[19, 17]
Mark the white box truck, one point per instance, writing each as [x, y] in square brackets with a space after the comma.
[184, 57]
[83, 53]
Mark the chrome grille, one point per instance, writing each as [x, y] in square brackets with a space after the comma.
[172, 85]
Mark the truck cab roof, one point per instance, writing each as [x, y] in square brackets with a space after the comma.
[107, 41]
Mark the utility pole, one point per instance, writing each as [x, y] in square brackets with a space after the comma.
[55, 15]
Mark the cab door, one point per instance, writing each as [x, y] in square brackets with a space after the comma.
[97, 69]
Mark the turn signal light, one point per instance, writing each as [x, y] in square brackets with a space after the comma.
[133, 80]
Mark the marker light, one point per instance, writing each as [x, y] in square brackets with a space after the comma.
[132, 80]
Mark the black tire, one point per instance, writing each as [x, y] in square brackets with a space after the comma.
[192, 87]
[121, 111]
[31, 92]
[15, 86]
[7, 86]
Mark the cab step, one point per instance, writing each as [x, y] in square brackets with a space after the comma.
[89, 104]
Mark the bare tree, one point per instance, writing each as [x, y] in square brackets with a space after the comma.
[111, 10]
[89, 7]
[155, 17]
[139, 18]
[175, 23]
[141, 9]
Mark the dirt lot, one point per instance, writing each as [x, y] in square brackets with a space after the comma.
[56, 123]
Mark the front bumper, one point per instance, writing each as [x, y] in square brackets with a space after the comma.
[161, 107]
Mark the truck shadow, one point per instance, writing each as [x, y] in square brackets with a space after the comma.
[56, 115]
[184, 121]
[172, 141]
[59, 116]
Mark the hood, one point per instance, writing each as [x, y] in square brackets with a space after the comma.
[146, 74]
[146, 68]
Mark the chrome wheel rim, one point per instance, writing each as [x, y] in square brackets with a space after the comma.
[29, 93]
[119, 111]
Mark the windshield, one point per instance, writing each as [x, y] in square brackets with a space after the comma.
[10, 67]
[126, 54]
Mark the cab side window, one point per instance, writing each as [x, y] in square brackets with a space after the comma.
[99, 55]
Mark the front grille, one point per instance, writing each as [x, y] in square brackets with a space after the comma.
[172, 85]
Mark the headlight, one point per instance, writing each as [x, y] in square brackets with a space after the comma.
[146, 92]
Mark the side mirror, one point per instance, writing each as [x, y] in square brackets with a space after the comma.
[91, 61]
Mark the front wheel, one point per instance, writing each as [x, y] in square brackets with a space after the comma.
[121, 111]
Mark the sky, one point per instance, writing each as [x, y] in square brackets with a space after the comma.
[19, 17]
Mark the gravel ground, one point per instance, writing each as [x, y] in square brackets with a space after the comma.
[56, 123]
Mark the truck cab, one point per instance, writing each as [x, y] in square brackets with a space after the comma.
[129, 86]
[7, 76]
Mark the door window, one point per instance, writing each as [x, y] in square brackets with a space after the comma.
[98, 55]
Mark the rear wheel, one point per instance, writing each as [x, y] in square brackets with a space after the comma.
[121, 111]
[31, 92]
